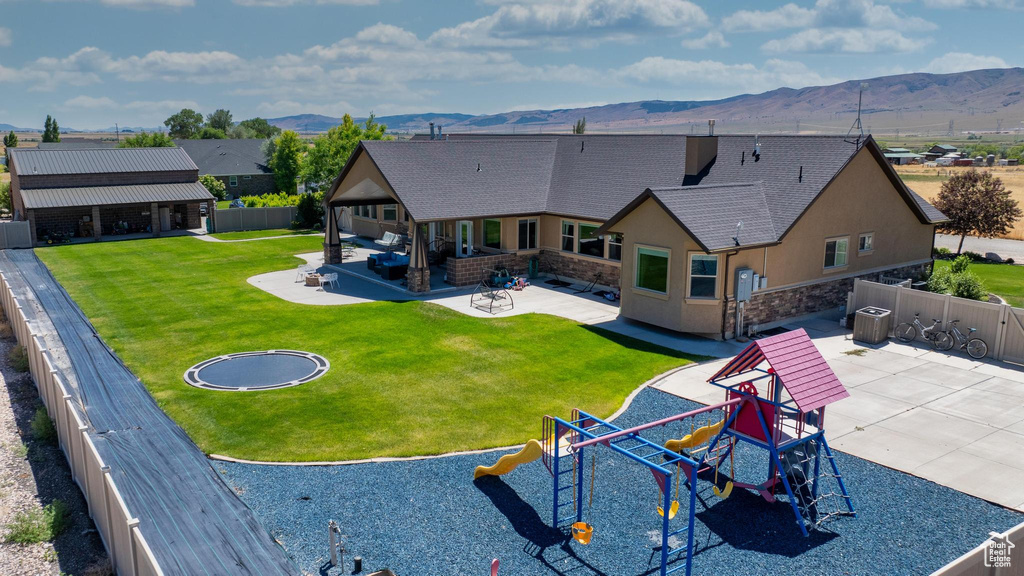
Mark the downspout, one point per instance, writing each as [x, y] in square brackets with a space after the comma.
[725, 291]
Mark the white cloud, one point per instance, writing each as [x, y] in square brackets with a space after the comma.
[741, 77]
[5, 36]
[854, 40]
[962, 61]
[713, 39]
[845, 14]
[524, 23]
[90, 103]
[952, 4]
[284, 3]
[161, 105]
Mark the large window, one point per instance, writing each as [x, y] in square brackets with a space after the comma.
[835, 252]
[590, 245]
[492, 234]
[367, 211]
[390, 212]
[615, 247]
[528, 234]
[652, 269]
[703, 275]
[568, 235]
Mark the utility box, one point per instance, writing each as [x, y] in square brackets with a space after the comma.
[744, 284]
[871, 325]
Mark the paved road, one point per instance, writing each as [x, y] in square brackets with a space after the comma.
[998, 247]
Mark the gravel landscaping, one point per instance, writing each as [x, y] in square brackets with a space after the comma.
[34, 473]
[430, 517]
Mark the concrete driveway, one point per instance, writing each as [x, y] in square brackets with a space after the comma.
[946, 418]
[994, 248]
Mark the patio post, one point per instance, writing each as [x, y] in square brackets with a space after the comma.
[419, 268]
[97, 229]
[332, 241]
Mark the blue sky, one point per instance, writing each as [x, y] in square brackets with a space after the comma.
[92, 63]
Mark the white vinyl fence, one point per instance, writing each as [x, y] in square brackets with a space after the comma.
[975, 563]
[235, 219]
[999, 325]
[15, 234]
[130, 555]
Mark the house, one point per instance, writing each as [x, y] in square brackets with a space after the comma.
[901, 156]
[239, 164]
[97, 192]
[669, 220]
[938, 151]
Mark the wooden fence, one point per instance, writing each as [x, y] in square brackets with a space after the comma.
[999, 325]
[130, 555]
[235, 219]
[16, 234]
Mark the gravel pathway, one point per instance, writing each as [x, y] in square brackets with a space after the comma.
[430, 517]
[33, 473]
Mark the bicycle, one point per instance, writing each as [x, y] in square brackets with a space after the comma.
[908, 332]
[975, 347]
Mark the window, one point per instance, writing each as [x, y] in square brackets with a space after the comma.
[492, 234]
[615, 247]
[590, 245]
[703, 276]
[390, 212]
[233, 180]
[568, 235]
[866, 243]
[246, 177]
[367, 211]
[528, 234]
[652, 269]
[835, 252]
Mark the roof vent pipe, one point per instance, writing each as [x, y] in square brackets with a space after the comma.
[431, 130]
[439, 132]
[711, 127]
[801, 177]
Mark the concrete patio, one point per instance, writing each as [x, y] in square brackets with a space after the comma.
[946, 418]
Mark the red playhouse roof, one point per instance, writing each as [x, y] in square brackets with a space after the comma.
[798, 364]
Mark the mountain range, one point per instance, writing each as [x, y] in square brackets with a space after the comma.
[978, 100]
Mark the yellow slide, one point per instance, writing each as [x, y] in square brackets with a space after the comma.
[507, 463]
[699, 436]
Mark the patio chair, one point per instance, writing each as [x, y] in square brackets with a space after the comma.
[302, 271]
[390, 241]
[488, 297]
[330, 279]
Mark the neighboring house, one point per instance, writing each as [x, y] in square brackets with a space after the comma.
[239, 164]
[938, 151]
[901, 156]
[668, 219]
[86, 193]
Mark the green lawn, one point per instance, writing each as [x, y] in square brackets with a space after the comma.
[1002, 279]
[406, 378]
[250, 234]
[223, 204]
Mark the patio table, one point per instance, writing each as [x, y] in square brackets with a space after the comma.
[312, 280]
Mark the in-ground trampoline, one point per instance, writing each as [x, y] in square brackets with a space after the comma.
[267, 370]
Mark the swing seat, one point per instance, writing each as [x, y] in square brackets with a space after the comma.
[723, 494]
[671, 510]
[582, 532]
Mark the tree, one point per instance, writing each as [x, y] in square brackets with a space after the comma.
[581, 126]
[185, 124]
[51, 131]
[147, 140]
[239, 132]
[261, 127]
[216, 187]
[287, 160]
[220, 119]
[211, 133]
[5, 197]
[309, 212]
[11, 140]
[332, 150]
[976, 203]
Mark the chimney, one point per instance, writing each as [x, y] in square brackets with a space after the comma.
[431, 130]
[711, 127]
[700, 151]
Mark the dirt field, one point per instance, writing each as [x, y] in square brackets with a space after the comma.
[928, 181]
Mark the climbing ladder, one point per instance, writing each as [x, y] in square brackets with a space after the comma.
[819, 491]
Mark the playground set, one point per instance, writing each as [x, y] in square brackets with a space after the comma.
[776, 392]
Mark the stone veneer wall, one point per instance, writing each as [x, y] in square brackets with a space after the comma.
[585, 269]
[468, 271]
[774, 305]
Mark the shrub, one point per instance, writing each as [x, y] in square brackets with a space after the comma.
[967, 285]
[19, 358]
[271, 200]
[216, 187]
[1009, 261]
[974, 256]
[42, 426]
[960, 264]
[39, 525]
[938, 282]
[6, 332]
[941, 252]
[310, 211]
